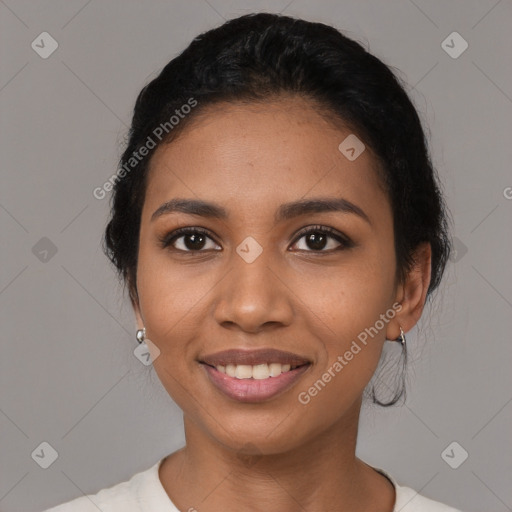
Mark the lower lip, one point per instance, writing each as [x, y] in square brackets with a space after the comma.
[253, 390]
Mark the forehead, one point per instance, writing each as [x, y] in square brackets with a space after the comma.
[262, 154]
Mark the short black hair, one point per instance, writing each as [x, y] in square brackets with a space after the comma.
[257, 57]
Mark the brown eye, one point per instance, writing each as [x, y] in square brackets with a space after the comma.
[322, 239]
[189, 240]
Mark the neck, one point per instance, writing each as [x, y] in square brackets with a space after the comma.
[322, 473]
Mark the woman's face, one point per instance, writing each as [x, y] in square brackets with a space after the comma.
[255, 281]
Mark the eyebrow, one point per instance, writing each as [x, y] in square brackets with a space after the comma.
[285, 211]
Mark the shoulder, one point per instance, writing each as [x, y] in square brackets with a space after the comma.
[143, 491]
[408, 500]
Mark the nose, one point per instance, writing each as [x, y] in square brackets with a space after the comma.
[254, 296]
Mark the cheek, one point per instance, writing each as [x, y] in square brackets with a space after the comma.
[352, 296]
[353, 303]
[170, 296]
[175, 302]
[353, 334]
[170, 305]
[172, 312]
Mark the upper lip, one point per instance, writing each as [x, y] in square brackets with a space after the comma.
[253, 357]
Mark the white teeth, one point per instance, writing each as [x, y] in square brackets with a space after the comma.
[243, 371]
[258, 371]
[275, 369]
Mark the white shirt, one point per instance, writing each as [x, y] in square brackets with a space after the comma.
[144, 492]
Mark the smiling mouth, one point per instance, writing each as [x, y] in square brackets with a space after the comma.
[254, 383]
[256, 372]
[254, 375]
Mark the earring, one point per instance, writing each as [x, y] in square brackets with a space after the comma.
[141, 335]
[401, 338]
[393, 377]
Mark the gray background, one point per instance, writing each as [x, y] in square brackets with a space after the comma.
[68, 373]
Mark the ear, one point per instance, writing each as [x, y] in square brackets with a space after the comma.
[412, 293]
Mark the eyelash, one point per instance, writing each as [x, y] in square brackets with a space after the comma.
[345, 242]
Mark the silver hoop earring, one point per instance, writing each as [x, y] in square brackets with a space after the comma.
[394, 374]
[141, 335]
[401, 338]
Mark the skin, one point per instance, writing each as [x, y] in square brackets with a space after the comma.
[277, 455]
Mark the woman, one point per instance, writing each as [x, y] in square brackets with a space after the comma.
[276, 218]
